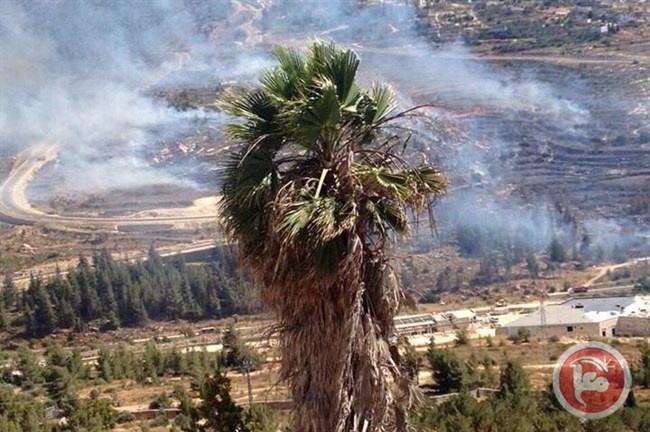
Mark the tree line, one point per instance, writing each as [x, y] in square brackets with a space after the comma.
[41, 394]
[111, 294]
[515, 406]
[41, 390]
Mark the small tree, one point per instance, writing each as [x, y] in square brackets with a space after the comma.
[642, 368]
[8, 292]
[523, 334]
[447, 370]
[91, 414]
[462, 338]
[105, 365]
[217, 412]
[259, 418]
[411, 360]
[235, 354]
[556, 251]
[3, 316]
[514, 381]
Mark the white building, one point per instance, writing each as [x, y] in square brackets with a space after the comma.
[606, 316]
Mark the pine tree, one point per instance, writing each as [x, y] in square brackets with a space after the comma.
[176, 363]
[585, 247]
[60, 292]
[411, 360]
[235, 354]
[154, 261]
[105, 365]
[59, 383]
[44, 317]
[3, 316]
[90, 305]
[217, 411]
[556, 251]
[152, 361]
[136, 312]
[107, 297]
[443, 283]
[76, 366]
[8, 292]
[447, 370]
[642, 369]
[92, 414]
[514, 381]
[29, 365]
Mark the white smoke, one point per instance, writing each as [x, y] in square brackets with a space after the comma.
[78, 73]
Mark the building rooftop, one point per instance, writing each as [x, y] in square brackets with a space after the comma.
[586, 310]
[413, 321]
[640, 308]
[601, 304]
[559, 315]
[461, 314]
[440, 317]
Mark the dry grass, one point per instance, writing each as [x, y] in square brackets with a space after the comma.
[131, 396]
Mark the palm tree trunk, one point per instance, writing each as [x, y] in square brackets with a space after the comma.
[337, 358]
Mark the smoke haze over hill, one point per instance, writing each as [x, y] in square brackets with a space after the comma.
[79, 72]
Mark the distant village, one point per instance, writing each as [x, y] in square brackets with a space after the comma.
[513, 26]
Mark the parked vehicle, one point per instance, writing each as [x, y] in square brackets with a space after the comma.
[580, 289]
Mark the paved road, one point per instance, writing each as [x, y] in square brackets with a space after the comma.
[22, 280]
[595, 290]
[15, 209]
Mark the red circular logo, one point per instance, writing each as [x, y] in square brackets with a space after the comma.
[591, 380]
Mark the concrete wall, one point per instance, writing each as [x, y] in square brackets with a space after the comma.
[633, 326]
[580, 329]
[608, 327]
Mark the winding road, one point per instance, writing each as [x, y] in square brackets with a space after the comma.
[15, 209]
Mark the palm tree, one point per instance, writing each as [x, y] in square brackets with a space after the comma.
[315, 194]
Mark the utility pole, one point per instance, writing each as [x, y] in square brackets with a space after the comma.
[542, 318]
[247, 364]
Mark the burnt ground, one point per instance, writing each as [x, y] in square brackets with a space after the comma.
[598, 159]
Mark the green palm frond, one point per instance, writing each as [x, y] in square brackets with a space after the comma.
[383, 102]
[434, 181]
[342, 70]
[285, 81]
[387, 217]
[320, 117]
[256, 112]
[291, 61]
[319, 225]
[319, 54]
[315, 220]
[409, 185]
[278, 84]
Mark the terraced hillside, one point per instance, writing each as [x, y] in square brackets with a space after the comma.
[579, 134]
